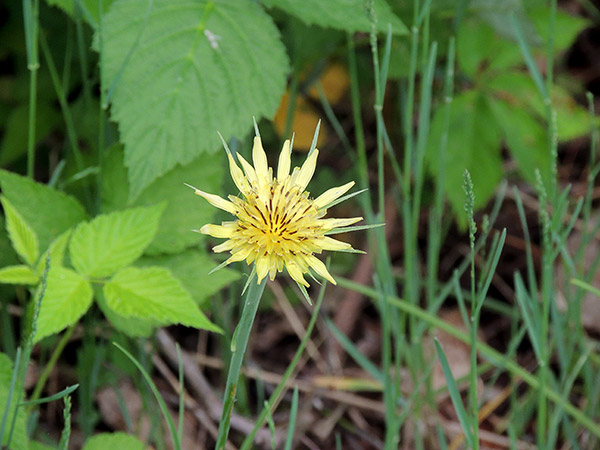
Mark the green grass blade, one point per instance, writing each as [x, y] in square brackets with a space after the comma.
[11, 389]
[293, 413]
[242, 334]
[354, 352]
[529, 61]
[57, 396]
[159, 399]
[495, 357]
[463, 418]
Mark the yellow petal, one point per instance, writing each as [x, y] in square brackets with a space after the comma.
[262, 267]
[307, 170]
[285, 161]
[296, 273]
[224, 247]
[318, 266]
[331, 195]
[238, 176]
[259, 158]
[327, 243]
[217, 201]
[329, 224]
[217, 231]
[241, 254]
[250, 172]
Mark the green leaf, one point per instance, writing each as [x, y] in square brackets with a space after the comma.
[347, 15]
[118, 440]
[526, 139]
[14, 140]
[473, 144]
[566, 26]
[48, 211]
[463, 417]
[23, 237]
[18, 275]
[519, 91]
[112, 241]
[7, 253]
[89, 8]
[19, 436]
[153, 293]
[131, 326]
[68, 296]
[35, 445]
[193, 68]
[488, 52]
[57, 250]
[192, 268]
[183, 212]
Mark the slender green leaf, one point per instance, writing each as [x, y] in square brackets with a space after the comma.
[19, 435]
[198, 67]
[161, 403]
[154, 293]
[112, 241]
[463, 418]
[51, 398]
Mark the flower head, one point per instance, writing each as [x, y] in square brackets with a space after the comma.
[277, 223]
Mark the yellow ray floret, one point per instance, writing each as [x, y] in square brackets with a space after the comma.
[277, 223]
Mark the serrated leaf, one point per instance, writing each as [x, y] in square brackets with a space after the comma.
[566, 26]
[89, 8]
[57, 250]
[519, 91]
[192, 268]
[347, 15]
[48, 211]
[19, 439]
[488, 52]
[192, 67]
[18, 275]
[114, 441]
[7, 253]
[183, 213]
[23, 238]
[68, 296]
[131, 326]
[526, 139]
[112, 241]
[154, 293]
[473, 144]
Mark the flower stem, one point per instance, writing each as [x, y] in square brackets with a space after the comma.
[239, 343]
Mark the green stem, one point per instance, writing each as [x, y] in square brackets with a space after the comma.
[238, 344]
[31, 19]
[31, 127]
[278, 392]
[51, 363]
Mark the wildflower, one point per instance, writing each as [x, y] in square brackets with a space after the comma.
[278, 225]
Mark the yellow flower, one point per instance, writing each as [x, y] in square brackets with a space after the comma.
[278, 225]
